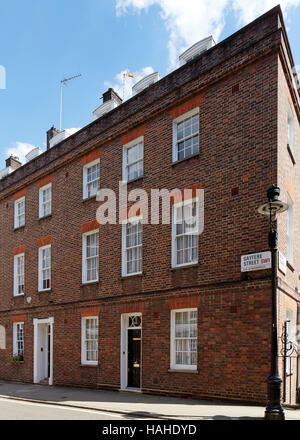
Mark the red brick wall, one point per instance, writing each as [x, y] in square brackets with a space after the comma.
[237, 162]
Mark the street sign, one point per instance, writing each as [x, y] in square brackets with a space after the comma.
[258, 261]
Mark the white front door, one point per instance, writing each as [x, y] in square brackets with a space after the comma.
[43, 350]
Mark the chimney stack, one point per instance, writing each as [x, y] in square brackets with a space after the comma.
[13, 162]
[50, 133]
[111, 94]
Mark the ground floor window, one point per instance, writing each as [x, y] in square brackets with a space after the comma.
[18, 340]
[184, 339]
[89, 342]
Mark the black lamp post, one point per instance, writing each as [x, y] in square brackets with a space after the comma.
[274, 410]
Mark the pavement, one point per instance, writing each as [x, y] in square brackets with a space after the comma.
[135, 404]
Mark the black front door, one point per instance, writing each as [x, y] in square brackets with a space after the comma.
[134, 358]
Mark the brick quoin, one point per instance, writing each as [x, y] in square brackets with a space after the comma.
[242, 152]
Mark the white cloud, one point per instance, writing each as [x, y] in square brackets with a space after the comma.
[191, 20]
[249, 10]
[124, 88]
[20, 149]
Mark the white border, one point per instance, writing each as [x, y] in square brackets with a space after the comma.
[176, 121]
[173, 365]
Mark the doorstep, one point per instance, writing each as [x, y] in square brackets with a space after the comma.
[130, 390]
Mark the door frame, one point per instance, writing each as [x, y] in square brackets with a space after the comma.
[124, 351]
[37, 322]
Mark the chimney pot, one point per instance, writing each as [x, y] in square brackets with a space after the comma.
[50, 133]
[13, 162]
[111, 94]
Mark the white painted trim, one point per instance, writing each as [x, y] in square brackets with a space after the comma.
[132, 219]
[173, 236]
[124, 259]
[130, 144]
[84, 176]
[20, 200]
[40, 280]
[134, 142]
[83, 326]
[15, 348]
[15, 288]
[124, 351]
[83, 265]
[44, 188]
[290, 231]
[173, 365]
[176, 121]
[36, 322]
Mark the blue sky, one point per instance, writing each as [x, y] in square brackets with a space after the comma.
[44, 41]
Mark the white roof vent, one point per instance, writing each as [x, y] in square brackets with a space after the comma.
[33, 154]
[145, 82]
[111, 100]
[195, 50]
[61, 136]
[5, 172]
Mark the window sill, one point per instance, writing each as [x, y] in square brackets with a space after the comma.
[186, 266]
[89, 365]
[46, 216]
[90, 283]
[45, 290]
[18, 296]
[290, 266]
[18, 228]
[126, 182]
[125, 277]
[89, 198]
[291, 154]
[183, 160]
[172, 370]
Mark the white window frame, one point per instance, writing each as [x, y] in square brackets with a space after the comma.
[290, 338]
[42, 203]
[84, 258]
[173, 365]
[17, 275]
[17, 223]
[126, 147]
[85, 182]
[174, 236]
[124, 248]
[84, 361]
[290, 128]
[176, 121]
[40, 283]
[15, 340]
[290, 231]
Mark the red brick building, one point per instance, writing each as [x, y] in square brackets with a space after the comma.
[149, 306]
